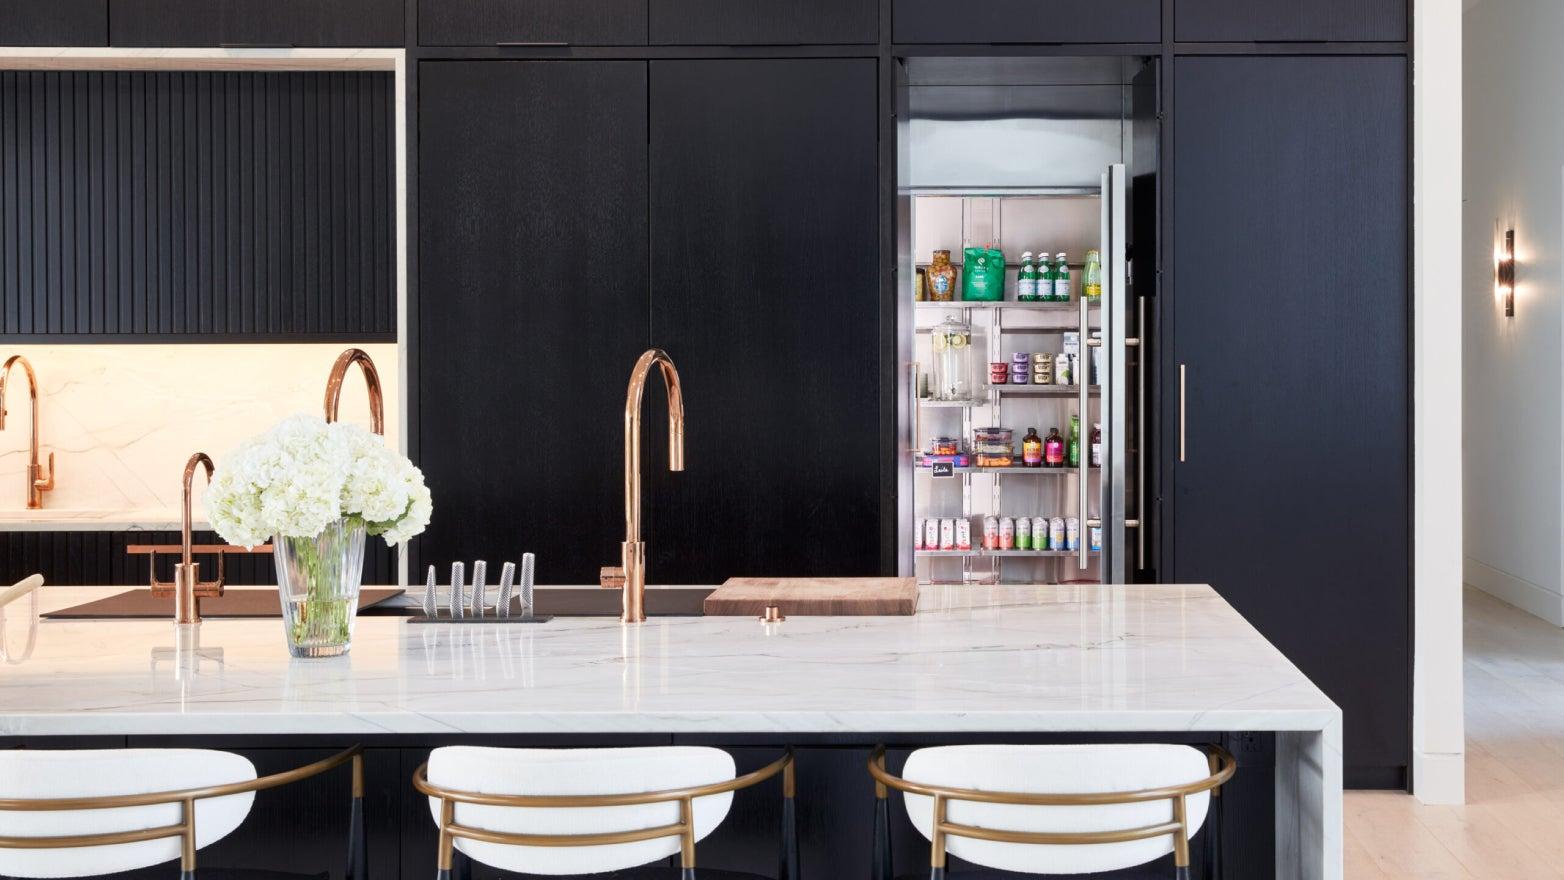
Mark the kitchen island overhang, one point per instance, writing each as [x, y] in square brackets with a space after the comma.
[1142, 659]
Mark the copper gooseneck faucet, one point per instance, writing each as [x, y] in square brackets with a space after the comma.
[631, 575]
[37, 482]
[189, 590]
[339, 373]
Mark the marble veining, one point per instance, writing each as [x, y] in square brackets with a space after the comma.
[123, 419]
[1156, 658]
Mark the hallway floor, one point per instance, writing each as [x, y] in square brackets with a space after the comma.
[1512, 825]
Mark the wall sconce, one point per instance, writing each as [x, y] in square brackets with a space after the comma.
[1505, 275]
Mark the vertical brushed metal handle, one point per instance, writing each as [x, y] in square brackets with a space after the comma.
[1182, 385]
[1083, 378]
[1140, 431]
[917, 409]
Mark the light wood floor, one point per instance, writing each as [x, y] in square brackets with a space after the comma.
[1512, 825]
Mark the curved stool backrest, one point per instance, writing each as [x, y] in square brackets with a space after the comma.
[84, 813]
[1065, 809]
[580, 811]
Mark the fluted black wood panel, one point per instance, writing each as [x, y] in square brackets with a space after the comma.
[196, 204]
[99, 559]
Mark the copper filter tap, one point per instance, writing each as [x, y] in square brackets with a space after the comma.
[37, 482]
[339, 373]
[188, 588]
[631, 573]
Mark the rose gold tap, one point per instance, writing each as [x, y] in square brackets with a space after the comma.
[631, 573]
[339, 372]
[188, 588]
[37, 483]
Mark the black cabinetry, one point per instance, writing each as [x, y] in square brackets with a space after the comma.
[256, 22]
[1027, 21]
[1285, 20]
[139, 206]
[497, 22]
[765, 290]
[54, 23]
[743, 22]
[532, 305]
[1290, 322]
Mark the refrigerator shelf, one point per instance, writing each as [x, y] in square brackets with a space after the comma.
[1071, 307]
[1007, 554]
[1044, 390]
[1013, 469]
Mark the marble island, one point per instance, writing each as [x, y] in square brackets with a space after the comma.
[975, 660]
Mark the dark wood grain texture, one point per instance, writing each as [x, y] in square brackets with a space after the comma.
[491, 22]
[89, 559]
[54, 23]
[1284, 20]
[763, 22]
[533, 306]
[255, 22]
[138, 206]
[765, 291]
[1027, 21]
[1292, 311]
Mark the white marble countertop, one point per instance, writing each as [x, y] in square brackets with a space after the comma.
[1140, 658]
[150, 519]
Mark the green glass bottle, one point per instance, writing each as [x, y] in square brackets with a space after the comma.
[1045, 278]
[1073, 451]
[1026, 280]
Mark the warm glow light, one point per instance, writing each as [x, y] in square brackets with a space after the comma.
[1504, 273]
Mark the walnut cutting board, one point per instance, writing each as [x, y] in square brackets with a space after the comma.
[820, 597]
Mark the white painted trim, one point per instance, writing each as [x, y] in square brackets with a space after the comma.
[1438, 715]
[1523, 594]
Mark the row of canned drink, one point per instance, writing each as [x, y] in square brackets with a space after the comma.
[1006, 533]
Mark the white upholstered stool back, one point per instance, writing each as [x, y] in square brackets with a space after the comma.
[1058, 809]
[580, 811]
[31, 775]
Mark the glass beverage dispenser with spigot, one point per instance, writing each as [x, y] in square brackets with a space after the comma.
[952, 344]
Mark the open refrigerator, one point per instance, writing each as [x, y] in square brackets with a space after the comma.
[1092, 507]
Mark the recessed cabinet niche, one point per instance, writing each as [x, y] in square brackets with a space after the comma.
[256, 22]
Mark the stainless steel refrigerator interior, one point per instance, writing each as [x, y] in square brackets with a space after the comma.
[1024, 337]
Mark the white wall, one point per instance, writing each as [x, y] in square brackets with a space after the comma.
[1514, 376]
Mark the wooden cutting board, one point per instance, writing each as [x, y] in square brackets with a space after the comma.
[821, 597]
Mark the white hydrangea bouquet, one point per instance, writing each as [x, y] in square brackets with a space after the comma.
[314, 489]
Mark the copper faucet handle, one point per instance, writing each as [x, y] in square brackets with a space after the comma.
[44, 484]
[611, 577]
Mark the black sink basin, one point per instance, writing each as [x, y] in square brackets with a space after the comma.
[583, 602]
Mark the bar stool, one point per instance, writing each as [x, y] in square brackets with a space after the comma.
[587, 811]
[1048, 810]
[91, 812]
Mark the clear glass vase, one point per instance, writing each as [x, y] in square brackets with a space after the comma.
[319, 579]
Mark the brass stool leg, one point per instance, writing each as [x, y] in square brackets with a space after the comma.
[881, 868]
[358, 843]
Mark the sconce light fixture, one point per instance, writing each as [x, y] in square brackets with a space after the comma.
[1506, 273]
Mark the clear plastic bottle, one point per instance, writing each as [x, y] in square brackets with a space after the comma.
[1091, 283]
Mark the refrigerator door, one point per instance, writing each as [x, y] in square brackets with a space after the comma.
[1113, 375]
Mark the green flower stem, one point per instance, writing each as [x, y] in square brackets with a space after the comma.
[323, 617]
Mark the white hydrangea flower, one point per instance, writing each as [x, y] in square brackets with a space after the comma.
[304, 474]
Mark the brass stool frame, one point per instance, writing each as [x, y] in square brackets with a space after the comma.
[358, 868]
[684, 829]
[1222, 764]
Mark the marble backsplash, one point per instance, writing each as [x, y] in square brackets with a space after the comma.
[122, 420]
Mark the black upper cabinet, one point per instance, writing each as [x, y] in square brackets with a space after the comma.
[54, 23]
[1291, 314]
[761, 22]
[256, 22]
[1284, 20]
[1028, 21]
[497, 22]
[532, 306]
[138, 205]
[765, 291]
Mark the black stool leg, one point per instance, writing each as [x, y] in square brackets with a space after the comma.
[358, 865]
[462, 864]
[882, 839]
[788, 870]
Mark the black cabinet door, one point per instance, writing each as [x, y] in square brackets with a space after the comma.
[1291, 318]
[256, 22]
[765, 291]
[532, 306]
[760, 22]
[54, 23]
[492, 22]
[1282, 20]
[1028, 21]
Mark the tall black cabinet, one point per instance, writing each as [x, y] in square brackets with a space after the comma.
[532, 237]
[1290, 326]
[765, 289]
[574, 213]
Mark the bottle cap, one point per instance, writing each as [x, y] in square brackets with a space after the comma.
[1026, 255]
